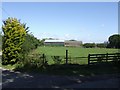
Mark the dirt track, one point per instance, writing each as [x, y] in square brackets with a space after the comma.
[11, 79]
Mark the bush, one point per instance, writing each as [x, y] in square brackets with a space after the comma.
[30, 62]
[57, 59]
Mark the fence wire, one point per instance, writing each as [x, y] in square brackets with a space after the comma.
[62, 60]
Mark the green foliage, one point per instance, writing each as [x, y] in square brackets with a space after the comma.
[114, 41]
[101, 45]
[42, 42]
[14, 37]
[30, 43]
[57, 59]
[30, 62]
[89, 45]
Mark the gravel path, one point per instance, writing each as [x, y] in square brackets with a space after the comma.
[11, 79]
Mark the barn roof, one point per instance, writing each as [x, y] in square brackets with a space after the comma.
[73, 41]
[54, 41]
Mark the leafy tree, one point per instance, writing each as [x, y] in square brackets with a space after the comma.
[114, 41]
[14, 37]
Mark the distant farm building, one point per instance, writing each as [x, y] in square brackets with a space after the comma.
[73, 43]
[62, 43]
[54, 42]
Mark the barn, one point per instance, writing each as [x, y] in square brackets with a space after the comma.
[62, 43]
[72, 43]
[54, 42]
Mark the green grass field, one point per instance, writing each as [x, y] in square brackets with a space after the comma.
[73, 51]
[77, 55]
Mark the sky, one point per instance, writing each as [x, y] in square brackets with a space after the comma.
[83, 21]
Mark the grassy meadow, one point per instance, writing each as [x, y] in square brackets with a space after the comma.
[77, 55]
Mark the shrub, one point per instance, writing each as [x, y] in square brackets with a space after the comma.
[57, 59]
[33, 61]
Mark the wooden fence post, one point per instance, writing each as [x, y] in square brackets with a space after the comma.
[88, 59]
[66, 56]
[43, 58]
[106, 57]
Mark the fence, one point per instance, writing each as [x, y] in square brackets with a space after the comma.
[93, 58]
[67, 59]
[70, 60]
[55, 59]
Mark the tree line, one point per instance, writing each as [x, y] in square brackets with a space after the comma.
[94, 45]
[113, 42]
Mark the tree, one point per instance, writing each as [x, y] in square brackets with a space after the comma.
[13, 38]
[114, 41]
[101, 45]
[89, 45]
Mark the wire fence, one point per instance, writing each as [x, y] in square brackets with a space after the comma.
[62, 59]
